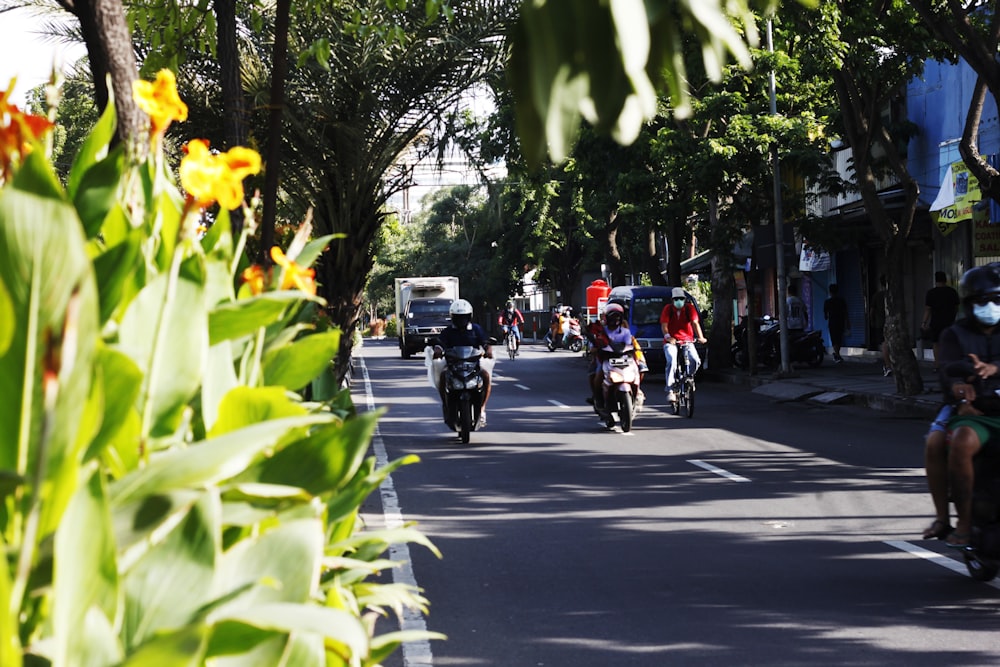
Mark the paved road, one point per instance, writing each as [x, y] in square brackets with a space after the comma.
[756, 533]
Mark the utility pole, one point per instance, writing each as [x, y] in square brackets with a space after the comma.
[779, 226]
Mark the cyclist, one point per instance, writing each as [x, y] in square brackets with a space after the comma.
[681, 328]
[511, 320]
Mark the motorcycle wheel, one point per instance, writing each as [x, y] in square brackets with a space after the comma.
[816, 355]
[740, 358]
[465, 420]
[576, 345]
[980, 570]
[625, 411]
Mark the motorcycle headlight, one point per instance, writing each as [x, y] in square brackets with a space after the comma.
[472, 383]
[457, 383]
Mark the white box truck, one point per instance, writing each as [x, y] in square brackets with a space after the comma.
[422, 305]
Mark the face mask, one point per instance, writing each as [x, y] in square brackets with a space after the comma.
[679, 302]
[987, 315]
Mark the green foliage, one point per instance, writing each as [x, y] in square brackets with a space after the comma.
[604, 62]
[169, 496]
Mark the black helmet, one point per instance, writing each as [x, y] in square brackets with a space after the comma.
[978, 282]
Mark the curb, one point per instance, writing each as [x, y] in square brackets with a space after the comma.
[907, 406]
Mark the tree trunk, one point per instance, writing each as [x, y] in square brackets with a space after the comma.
[905, 369]
[720, 337]
[234, 121]
[272, 165]
[109, 47]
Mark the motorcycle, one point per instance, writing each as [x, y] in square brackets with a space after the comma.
[622, 396]
[464, 389]
[804, 347]
[572, 339]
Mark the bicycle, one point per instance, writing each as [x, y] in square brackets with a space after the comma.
[684, 387]
[510, 342]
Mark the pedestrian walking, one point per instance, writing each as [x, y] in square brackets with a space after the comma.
[797, 316]
[940, 309]
[837, 322]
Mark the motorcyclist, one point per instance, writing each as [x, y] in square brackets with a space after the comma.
[970, 378]
[615, 332]
[511, 320]
[681, 328]
[463, 331]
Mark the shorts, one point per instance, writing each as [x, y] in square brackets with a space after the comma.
[987, 428]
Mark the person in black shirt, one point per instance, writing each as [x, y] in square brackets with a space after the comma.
[464, 332]
[940, 309]
[835, 312]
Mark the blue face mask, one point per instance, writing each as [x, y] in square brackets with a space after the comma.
[680, 302]
[988, 314]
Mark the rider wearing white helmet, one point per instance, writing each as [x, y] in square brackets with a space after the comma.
[463, 331]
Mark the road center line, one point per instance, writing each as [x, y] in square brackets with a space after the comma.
[521, 386]
[936, 558]
[415, 653]
[558, 404]
[718, 471]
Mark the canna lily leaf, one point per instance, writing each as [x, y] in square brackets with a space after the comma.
[164, 331]
[296, 365]
[232, 320]
[86, 579]
[207, 462]
[167, 586]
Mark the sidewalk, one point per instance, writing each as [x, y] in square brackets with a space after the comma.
[858, 381]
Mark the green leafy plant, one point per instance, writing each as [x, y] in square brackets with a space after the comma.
[169, 496]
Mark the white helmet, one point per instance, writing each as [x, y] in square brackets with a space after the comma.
[460, 307]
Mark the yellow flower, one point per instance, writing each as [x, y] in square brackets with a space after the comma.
[210, 177]
[254, 277]
[294, 275]
[160, 100]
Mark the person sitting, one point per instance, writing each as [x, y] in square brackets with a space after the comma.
[463, 332]
[970, 378]
[511, 320]
[681, 328]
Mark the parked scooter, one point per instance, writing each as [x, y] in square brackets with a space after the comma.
[804, 347]
[464, 389]
[622, 395]
[571, 340]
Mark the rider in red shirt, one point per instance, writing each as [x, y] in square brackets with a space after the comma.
[512, 319]
[681, 328]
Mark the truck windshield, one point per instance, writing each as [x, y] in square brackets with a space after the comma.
[437, 310]
[647, 309]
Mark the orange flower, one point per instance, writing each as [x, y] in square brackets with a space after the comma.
[160, 100]
[210, 177]
[253, 276]
[292, 274]
[18, 130]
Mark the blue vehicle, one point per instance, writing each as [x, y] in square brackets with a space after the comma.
[643, 305]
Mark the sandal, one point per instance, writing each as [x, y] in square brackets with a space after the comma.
[958, 541]
[938, 530]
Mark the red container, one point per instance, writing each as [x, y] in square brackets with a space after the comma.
[597, 295]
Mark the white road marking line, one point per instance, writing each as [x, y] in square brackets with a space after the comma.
[521, 386]
[558, 404]
[718, 471]
[415, 653]
[936, 558]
